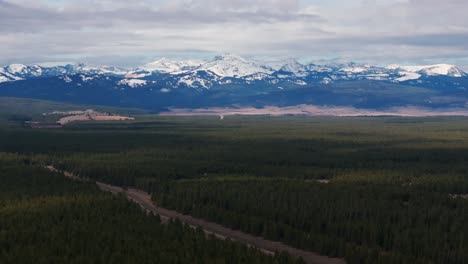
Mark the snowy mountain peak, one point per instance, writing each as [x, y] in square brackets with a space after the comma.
[168, 66]
[221, 70]
[234, 66]
[162, 65]
[393, 67]
[102, 69]
[16, 68]
[293, 66]
[20, 71]
[431, 70]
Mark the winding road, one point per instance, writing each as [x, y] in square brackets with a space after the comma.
[143, 199]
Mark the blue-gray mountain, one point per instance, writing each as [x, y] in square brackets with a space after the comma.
[235, 81]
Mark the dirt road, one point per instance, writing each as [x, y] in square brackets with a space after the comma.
[267, 246]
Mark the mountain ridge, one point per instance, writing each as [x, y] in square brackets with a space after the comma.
[233, 66]
[231, 80]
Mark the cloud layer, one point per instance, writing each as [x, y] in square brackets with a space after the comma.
[132, 32]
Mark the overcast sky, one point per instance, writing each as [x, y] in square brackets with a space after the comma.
[129, 33]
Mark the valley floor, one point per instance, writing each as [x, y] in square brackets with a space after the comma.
[379, 190]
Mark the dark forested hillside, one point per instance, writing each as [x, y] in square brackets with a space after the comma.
[366, 94]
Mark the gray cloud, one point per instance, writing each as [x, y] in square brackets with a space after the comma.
[73, 17]
[129, 32]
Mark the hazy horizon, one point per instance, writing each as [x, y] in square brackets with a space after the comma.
[304, 61]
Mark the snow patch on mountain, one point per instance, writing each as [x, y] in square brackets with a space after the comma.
[299, 82]
[431, 70]
[354, 69]
[377, 76]
[16, 68]
[234, 66]
[86, 78]
[393, 67]
[173, 67]
[66, 79]
[134, 83]
[137, 74]
[326, 80]
[194, 82]
[293, 66]
[407, 76]
[8, 77]
[257, 76]
[103, 69]
[439, 69]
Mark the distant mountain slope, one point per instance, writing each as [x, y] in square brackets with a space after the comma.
[232, 80]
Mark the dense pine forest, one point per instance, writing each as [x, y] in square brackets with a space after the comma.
[371, 190]
[369, 223]
[45, 218]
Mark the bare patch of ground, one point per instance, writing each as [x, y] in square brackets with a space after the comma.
[322, 181]
[65, 173]
[459, 196]
[312, 110]
[89, 115]
[74, 116]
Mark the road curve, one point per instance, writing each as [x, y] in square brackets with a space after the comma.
[267, 246]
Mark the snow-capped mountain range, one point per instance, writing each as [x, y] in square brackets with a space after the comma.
[234, 80]
[204, 74]
[18, 72]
